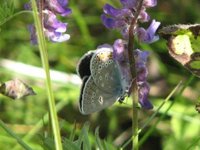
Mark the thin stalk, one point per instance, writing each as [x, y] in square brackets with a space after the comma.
[14, 15]
[150, 131]
[159, 108]
[40, 124]
[153, 115]
[135, 96]
[194, 143]
[11, 133]
[44, 58]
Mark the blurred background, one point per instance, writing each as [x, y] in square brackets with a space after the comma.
[177, 130]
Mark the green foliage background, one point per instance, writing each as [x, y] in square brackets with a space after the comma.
[177, 130]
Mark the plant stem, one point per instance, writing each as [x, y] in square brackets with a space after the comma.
[134, 75]
[11, 133]
[14, 15]
[149, 131]
[153, 115]
[44, 58]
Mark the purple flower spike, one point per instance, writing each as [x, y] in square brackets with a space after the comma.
[142, 72]
[148, 36]
[143, 96]
[114, 18]
[59, 6]
[52, 27]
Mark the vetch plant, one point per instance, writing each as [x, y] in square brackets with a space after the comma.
[53, 29]
[129, 27]
[110, 73]
[121, 19]
[113, 72]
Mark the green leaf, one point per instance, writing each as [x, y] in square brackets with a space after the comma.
[69, 145]
[72, 135]
[48, 143]
[86, 142]
[102, 145]
[83, 140]
[6, 10]
[98, 140]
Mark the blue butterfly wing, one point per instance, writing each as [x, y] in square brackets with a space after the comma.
[93, 99]
[105, 72]
[102, 81]
[83, 67]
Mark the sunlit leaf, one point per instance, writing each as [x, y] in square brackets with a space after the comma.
[183, 43]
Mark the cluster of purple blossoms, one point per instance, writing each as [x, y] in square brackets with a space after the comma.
[120, 55]
[53, 29]
[114, 18]
[142, 72]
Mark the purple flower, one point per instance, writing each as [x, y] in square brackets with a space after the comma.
[142, 72]
[111, 23]
[144, 17]
[120, 52]
[121, 19]
[148, 36]
[31, 29]
[120, 55]
[129, 3]
[116, 18]
[116, 13]
[59, 6]
[143, 95]
[53, 29]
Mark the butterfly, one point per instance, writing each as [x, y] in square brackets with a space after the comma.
[102, 81]
[184, 45]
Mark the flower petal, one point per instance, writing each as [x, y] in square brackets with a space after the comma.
[59, 6]
[150, 3]
[111, 23]
[143, 96]
[51, 22]
[116, 13]
[128, 3]
[148, 36]
[32, 30]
